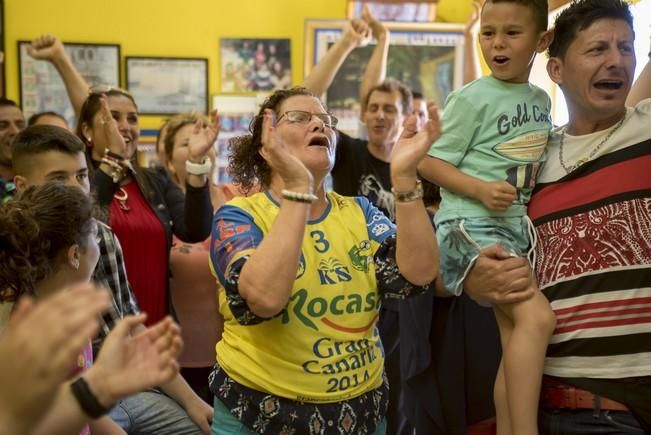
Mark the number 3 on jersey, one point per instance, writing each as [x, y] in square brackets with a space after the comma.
[321, 244]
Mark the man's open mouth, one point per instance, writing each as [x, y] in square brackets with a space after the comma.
[609, 84]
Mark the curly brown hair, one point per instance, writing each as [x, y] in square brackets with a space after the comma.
[245, 164]
[36, 226]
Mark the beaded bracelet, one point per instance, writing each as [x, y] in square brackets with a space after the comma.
[117, 170]
[112, 155]
[307, 198]
[409, 196]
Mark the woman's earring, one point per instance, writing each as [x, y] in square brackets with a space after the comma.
[75, 263]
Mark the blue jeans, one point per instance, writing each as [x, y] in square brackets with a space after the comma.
[587, 421]
[152, 413]
[225, 423]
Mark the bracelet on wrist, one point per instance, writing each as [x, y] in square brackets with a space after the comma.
[110, 154]
[116, 171]
[290, 195]
[412, 195]
[198, 168]
[87, 400]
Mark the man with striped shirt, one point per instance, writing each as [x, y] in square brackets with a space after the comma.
[592, 213]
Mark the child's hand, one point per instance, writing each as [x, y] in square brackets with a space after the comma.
[496, 195]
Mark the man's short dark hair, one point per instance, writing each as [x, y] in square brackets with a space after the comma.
[4, 102]
[40, 139]
[579, 16]
[389, 86]
[539, 9]
[35, 117]
[417, 95]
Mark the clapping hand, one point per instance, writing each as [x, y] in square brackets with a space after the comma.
[358, 31]
[292, 171]
[110, 133]
[414, 143]
[203, 137]
[128, 364]
[378, 29]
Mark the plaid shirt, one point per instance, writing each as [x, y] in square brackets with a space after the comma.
[111, 273]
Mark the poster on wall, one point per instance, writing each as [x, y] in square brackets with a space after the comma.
[166, 85]
[428, 58]
[41, 87]
[414, 11]
[253, 65]
[235, 116]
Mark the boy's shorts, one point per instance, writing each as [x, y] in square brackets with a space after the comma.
[460, 241]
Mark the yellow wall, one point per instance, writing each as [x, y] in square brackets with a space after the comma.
[176, 28]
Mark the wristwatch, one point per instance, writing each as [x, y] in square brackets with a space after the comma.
[198, 168]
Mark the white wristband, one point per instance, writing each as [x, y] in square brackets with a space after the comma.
[198, 169]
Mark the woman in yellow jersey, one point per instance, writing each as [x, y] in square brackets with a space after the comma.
[304, 273]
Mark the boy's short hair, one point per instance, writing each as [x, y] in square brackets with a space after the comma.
[579, 16]
[539, 9]
[389, 86]
[40, 139]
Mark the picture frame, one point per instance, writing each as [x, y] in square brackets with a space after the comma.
[255, 64]
[433, 49]
[235, 113]
[41, 87]
[168, 85]
[408, 11]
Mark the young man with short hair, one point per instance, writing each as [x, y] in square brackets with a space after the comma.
[45, 153]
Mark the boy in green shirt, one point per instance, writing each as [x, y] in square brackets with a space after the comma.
[494, 134]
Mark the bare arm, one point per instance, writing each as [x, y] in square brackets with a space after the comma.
[198, 410]
[320, 78]
[105, 426]
[416, 247]
[267, 278]
[376, 70]
[50, 48]
[642, 87]
[495, 195]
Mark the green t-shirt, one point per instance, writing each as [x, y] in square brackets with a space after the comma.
[493, 130]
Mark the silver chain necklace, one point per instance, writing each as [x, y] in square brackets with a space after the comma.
[594, 151]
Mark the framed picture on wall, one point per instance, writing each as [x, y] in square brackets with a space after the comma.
[235, 113]
[41, 87]
[168, 85]
[428, 58]
[255, 65]
[398, 10]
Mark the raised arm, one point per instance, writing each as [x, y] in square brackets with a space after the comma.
[50, 48]
[376, 70]
[266, 278]
[356, 34]
[642, 87]
[416, 247]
